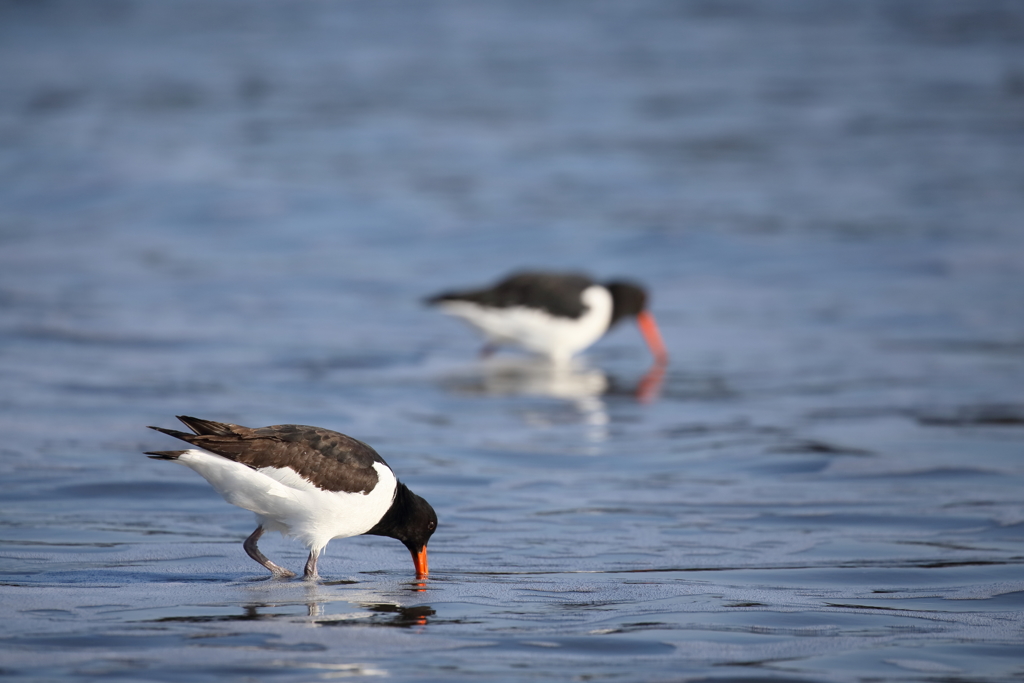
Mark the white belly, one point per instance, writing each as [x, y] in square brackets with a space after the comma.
[537, 331]
[283, 501]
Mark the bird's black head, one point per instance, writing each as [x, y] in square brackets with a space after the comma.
[628, 300]
[411, 520]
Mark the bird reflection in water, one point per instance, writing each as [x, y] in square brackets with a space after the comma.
[372, 608]
[649, 386]
[377, 614]
[533, 376]
[574, 381]
[367, 614]
[400, 616]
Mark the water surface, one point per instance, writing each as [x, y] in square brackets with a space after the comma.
[234, 210]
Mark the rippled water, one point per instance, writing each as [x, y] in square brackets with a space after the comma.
[233, 211]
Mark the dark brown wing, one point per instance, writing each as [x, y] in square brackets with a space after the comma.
[329, 460]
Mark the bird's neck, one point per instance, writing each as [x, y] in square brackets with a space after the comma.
[396, 514]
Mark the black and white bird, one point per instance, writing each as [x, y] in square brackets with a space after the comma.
[553, 314]
[308, 483]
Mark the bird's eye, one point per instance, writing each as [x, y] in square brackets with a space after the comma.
[431, 526]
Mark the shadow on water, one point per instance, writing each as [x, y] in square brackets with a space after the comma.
[250, 613]
[988, 415]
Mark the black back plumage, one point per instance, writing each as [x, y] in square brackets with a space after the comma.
[328, 459]
[555, 293]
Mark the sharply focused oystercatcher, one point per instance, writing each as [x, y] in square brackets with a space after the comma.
[553, 314]
[306, 482]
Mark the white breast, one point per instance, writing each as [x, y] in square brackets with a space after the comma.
[283, 501]
[537, 331]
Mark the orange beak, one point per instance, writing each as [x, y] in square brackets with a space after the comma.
[649, 329]
[420, 560]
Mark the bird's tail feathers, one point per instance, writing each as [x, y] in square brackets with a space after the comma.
[207, 427]
[440, 298]
[165, 455]
[184, 436]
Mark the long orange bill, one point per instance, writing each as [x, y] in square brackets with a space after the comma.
[420, 560]
[649, 329]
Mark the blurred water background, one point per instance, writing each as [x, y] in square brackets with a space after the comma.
[233, 209]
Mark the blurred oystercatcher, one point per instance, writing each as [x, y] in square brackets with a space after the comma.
[306, 482]
[553, 314]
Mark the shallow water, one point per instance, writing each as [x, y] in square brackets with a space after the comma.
[233, 211]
